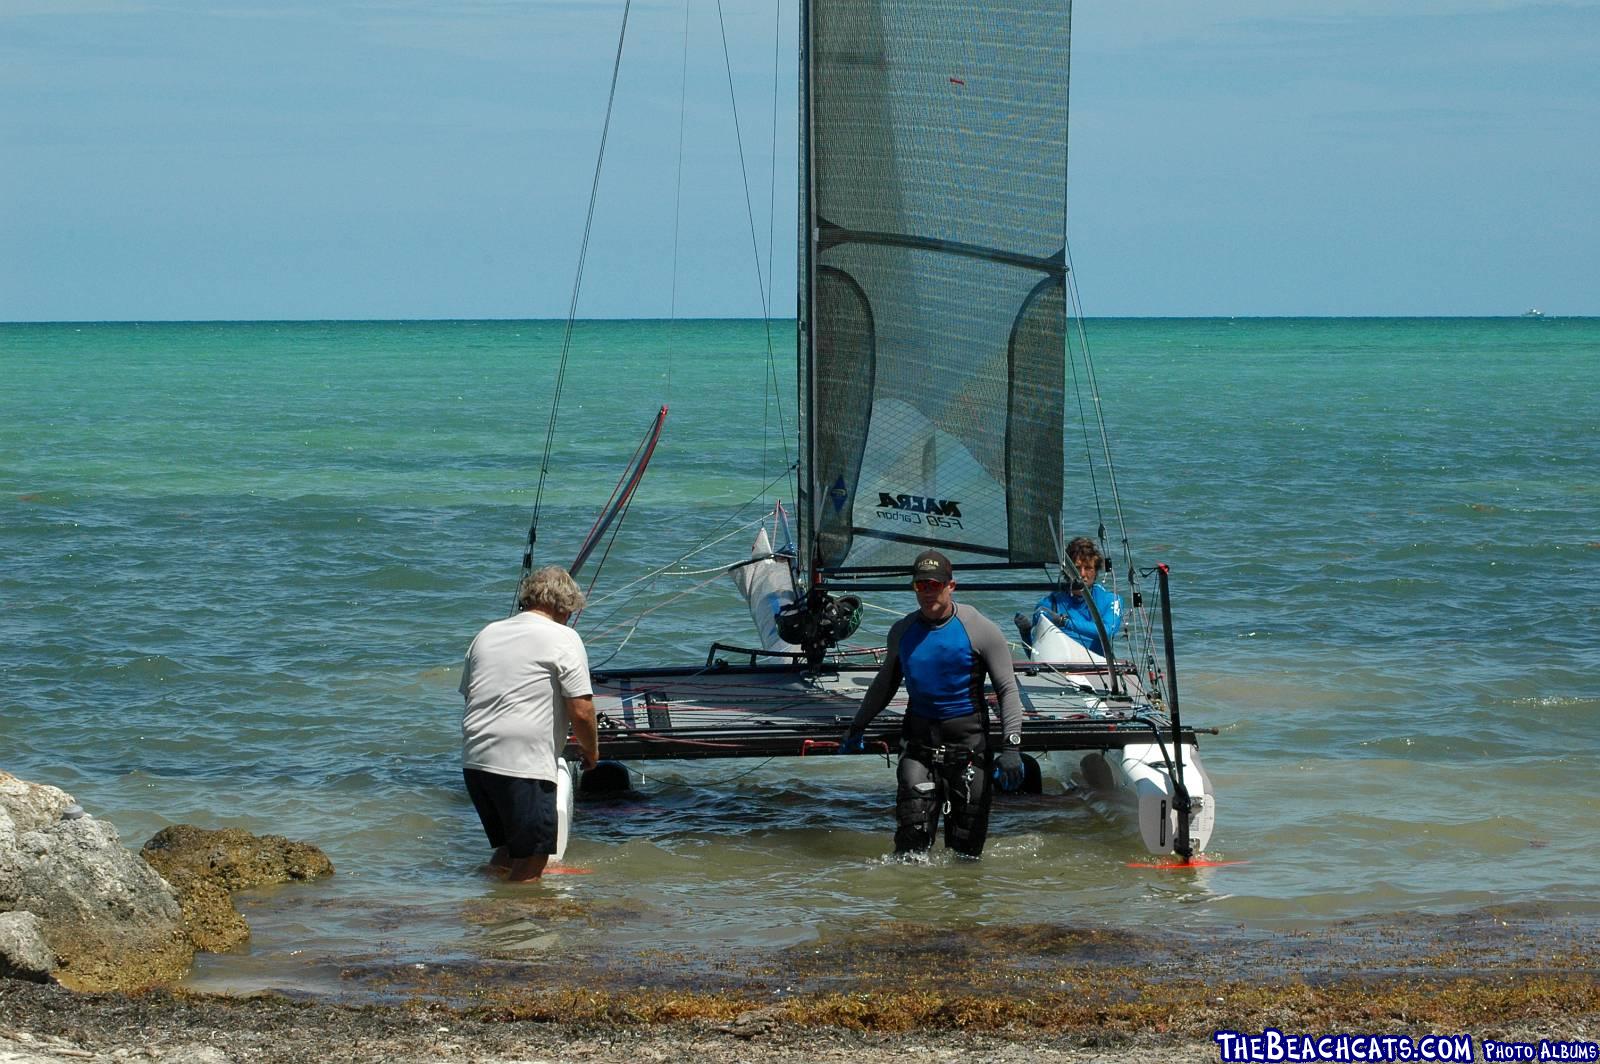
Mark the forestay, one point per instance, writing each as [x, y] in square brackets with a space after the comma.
[933, 342]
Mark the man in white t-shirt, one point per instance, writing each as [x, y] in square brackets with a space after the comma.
[526, 683]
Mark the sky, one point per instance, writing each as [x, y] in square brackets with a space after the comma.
[209, 160]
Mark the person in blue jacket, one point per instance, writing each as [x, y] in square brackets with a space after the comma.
[941, 652]
[1066, 608]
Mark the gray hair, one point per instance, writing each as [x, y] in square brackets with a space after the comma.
[550, 590]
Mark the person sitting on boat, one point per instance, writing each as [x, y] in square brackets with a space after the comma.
[1068, 610]
[526, 678]
[941, 652]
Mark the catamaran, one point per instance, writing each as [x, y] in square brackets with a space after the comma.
[935, 346]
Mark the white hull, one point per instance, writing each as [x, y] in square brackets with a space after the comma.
[1137, 779]
[563, 808]
[1137, 774]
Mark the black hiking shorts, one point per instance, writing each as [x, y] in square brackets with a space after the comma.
[517, 813]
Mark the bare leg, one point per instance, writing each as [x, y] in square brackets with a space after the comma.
[501, 859]
[527, 869]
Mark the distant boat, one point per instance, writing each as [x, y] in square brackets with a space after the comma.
[1533, 312]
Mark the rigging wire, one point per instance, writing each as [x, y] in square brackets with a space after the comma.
[712, 539]
[572, 308]
[1077, 391]
[667, 569]
[677, 194]
[1075, 311]
[1075, 308]
[611, 541]
[667, 785]
[758, 497]
[1100, 419]
[1144, 626]
[771, 392]
[636, 620]
[762, 282]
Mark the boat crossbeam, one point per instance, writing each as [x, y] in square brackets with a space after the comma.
[815, 739]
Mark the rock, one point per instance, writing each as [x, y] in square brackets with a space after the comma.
[753, 1023]
[24, 954]
[209, 918]
[75, 904]
[31, 806]
[206, 866]
[110, 920]
[233, 858]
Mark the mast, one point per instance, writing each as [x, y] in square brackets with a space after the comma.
[805, 338]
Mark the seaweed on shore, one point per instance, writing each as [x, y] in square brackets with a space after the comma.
[1106, 1004]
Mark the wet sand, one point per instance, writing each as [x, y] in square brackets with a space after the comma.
[896, 993]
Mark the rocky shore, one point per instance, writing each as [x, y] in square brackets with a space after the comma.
[77, 908]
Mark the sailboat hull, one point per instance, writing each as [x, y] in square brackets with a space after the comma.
[1151, 777]
[563, 808]
[1137, 781]
[726, 710]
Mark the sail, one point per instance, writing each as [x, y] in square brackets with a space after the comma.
[933, 285]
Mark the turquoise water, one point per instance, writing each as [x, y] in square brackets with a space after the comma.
[241, 562]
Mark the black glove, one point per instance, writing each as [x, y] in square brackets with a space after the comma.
[854, 742]
[1008, 770]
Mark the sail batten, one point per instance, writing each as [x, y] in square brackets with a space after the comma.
[833, 235]
[933, 288]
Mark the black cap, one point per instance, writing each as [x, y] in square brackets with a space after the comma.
[931, 565]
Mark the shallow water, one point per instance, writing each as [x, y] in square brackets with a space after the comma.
[241, 562]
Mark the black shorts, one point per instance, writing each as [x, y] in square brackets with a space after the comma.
[517, 813]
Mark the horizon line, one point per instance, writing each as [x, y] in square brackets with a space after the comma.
[757, 318]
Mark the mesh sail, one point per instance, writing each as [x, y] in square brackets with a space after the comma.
[935, 160]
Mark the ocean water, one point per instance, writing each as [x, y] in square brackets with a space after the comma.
[239, 563]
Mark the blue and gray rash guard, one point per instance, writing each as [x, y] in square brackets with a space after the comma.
[1080, 623]
[942, 666]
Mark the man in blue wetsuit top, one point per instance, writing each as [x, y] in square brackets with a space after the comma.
[1068, 610]
[941, 652]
